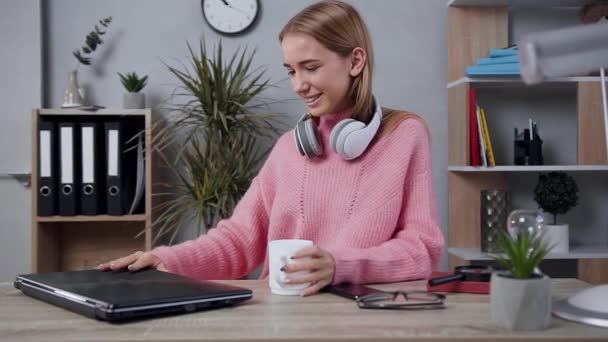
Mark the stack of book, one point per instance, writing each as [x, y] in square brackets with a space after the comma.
[480, 143]
[500, 62]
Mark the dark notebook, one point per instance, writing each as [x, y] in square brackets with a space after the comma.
[116, 296]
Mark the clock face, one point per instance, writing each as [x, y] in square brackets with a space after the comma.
[230, 16]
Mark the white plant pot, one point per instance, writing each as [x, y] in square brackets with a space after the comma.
[558, 236]
[133, 101]
[520, 304]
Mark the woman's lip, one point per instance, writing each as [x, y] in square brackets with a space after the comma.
[317, 97]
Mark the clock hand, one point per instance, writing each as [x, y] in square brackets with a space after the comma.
[234, 8]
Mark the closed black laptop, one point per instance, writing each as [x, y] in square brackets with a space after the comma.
[115, 296]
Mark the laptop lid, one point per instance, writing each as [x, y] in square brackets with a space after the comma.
[123, 294]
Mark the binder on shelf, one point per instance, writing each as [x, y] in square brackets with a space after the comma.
[137, 205]
[473, 130]
[92, 190]
[69, 157]
[113, 137]
[121, 152]
[47, 169]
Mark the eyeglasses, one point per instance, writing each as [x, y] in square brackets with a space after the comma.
[402, 300]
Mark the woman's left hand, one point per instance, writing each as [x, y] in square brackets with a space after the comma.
[321, 266]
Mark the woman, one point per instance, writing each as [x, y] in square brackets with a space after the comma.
[361, 189]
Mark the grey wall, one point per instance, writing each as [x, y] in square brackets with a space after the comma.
[409, 38]
[20, 81]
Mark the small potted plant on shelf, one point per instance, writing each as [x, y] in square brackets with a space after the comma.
[133, 99]
[556, 193]
[72, 96]
[520, 295]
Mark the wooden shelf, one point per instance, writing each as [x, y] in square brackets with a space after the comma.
[76, 111]
[531, 168]
[511, 81]
[581, 252]
[63, 243]
[519, 3]
[475, 27]
[97, 218]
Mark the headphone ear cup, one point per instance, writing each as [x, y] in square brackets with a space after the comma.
[306, 139]
[342, 145]
[333, 137]
[296, 134]
[313, 140]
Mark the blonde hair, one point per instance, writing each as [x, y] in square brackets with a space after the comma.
[339, 28]
[392, 118]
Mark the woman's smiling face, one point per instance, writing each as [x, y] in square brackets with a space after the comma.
[321, 77]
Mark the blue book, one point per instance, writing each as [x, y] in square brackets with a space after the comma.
[503, 52]
[493, 69]
[498, 60]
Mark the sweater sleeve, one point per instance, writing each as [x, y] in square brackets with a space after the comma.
[417, 244]
[231, 250]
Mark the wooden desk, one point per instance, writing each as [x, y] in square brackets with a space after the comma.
[282, 318]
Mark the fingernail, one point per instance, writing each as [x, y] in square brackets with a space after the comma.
[287, 281]
[130, 267]
[111, 265]
[100, 266]
[282, 269]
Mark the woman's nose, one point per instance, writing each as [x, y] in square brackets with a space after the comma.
[299, 84]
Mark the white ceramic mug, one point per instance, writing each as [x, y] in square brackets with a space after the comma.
[280, 253]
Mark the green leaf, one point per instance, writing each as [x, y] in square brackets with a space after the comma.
[92, 41]
[521, 255]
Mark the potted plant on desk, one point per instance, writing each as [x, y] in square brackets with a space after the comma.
[133, 98]
[556, 193]
[520, 296]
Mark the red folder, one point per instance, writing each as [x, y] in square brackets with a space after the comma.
[474, 159]
[478, 287]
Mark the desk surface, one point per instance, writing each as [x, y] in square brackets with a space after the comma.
[273, 317]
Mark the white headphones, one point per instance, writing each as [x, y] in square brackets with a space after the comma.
[349, 138]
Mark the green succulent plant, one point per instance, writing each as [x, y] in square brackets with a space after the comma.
[219, 125]
[132, 82]
[521, 255]
[92, 41]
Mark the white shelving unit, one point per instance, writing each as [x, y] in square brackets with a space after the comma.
[511, 81]
[519, 3]
[569, 108]
[582, 252]
[532, 168]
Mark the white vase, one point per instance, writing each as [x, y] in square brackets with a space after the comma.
[520, 304]
[71, 95]
[558, 236]
[133, 101]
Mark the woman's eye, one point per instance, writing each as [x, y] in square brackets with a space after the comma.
[311, 69]
[290, 72]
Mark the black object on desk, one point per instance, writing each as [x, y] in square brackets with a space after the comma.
[118, 296]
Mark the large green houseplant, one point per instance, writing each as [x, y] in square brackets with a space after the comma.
[216, 136]
[520, 295]
[556, 193]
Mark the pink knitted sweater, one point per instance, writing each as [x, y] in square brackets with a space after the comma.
[376, 215]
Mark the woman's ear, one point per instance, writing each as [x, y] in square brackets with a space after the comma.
[358, 60]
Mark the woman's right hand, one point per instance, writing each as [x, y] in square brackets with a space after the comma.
[135, 262]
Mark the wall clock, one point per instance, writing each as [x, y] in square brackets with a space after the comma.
[230, 16]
